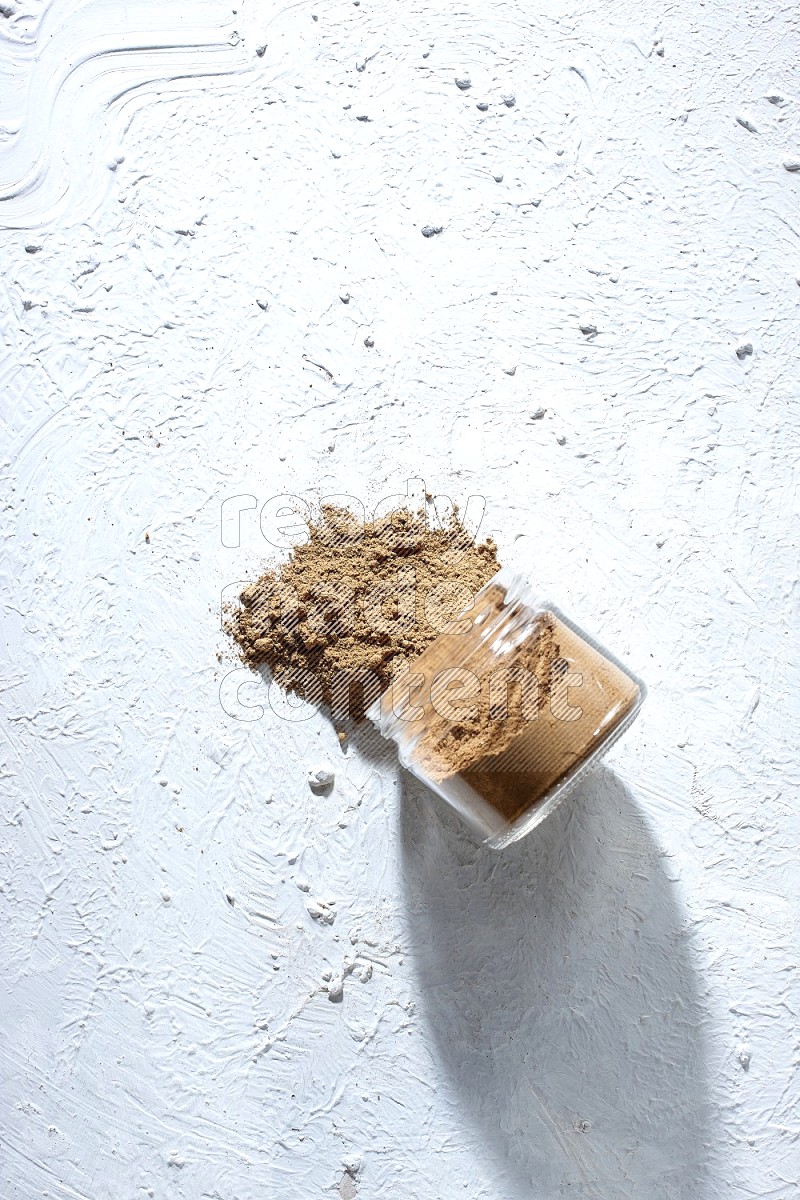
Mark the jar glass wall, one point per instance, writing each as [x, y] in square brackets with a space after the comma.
[507, 709]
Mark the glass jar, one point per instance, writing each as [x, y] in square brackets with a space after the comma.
[507, 709]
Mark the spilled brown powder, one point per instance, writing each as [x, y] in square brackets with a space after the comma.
[356, 601]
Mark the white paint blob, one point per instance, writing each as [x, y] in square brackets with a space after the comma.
[321, 777]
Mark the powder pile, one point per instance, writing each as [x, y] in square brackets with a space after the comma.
[356, 601]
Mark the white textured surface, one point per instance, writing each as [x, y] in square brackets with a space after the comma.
[608, 1009]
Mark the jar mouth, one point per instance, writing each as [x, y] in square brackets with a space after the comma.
[507, 629]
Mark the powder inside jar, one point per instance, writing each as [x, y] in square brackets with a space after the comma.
[509, 703]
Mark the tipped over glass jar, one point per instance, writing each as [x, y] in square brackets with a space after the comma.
[507, 709]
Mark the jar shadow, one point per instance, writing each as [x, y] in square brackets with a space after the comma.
[557, 980]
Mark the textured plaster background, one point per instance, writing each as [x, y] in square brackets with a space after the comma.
[190, 195]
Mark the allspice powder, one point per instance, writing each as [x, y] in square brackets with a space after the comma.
[357, 601]
[480, 741]
[364, 605]
[456, 743]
